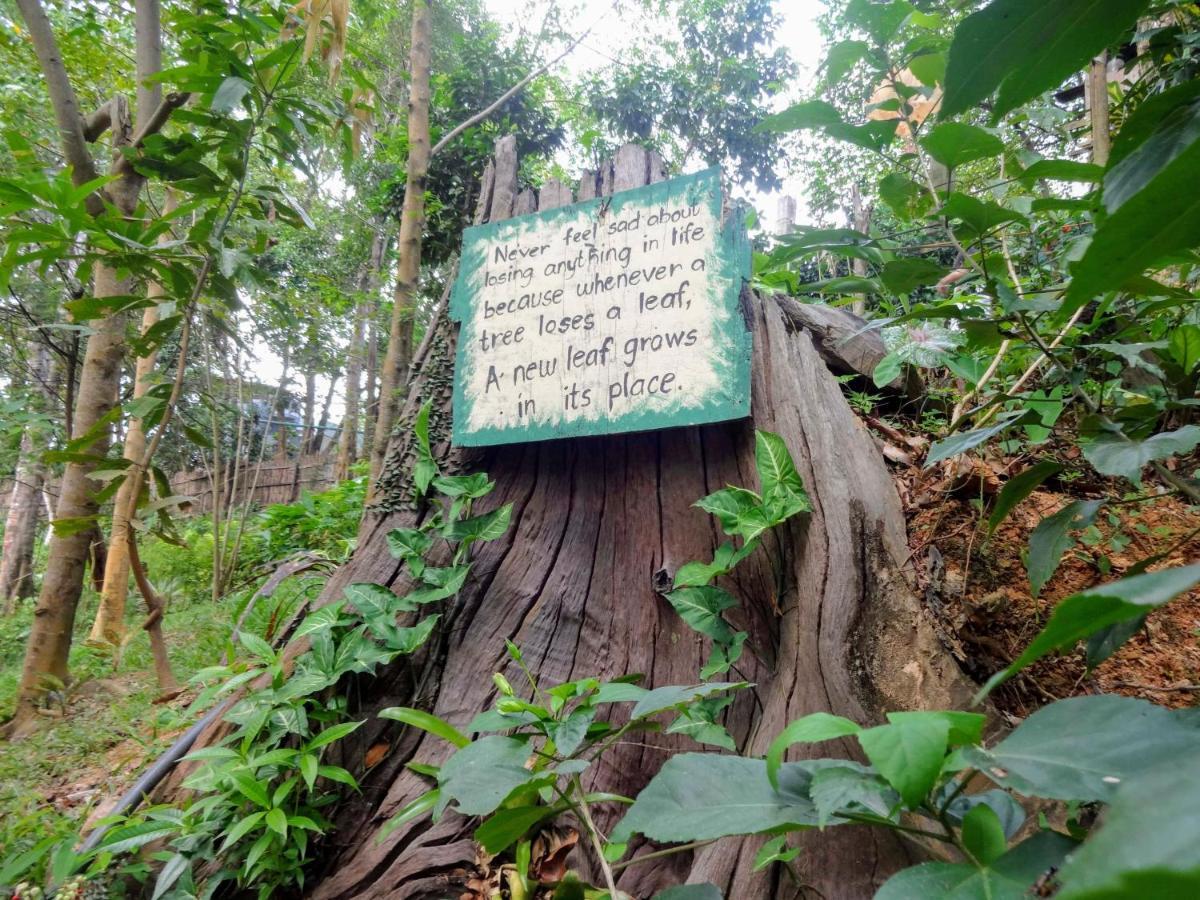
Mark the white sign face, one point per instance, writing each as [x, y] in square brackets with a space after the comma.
[615, 314]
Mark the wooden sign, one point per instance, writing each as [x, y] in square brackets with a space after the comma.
[616, 314]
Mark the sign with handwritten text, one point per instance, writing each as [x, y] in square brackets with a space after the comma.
[616, 314]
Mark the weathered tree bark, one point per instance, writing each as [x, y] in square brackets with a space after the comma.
[597, 524]
[24, 503]
[412, 224]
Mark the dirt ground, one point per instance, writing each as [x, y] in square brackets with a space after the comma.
[978, 590]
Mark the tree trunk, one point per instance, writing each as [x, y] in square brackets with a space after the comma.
[24, 503]
[364, 310]
[598, 522]
[318, 439]
[412, 223]
[109, 624]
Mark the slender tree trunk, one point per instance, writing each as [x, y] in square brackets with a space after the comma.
[371, 388]
[109, 624]
[412, 223]
[364, 310]
[49, 641]
[318, 439]
[1097, 98]
[310, 405]
[862, 222]
[24, 503]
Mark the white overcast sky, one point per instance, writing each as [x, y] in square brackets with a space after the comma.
[798, 33]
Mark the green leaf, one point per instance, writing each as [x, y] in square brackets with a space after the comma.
[408, 543]
[1146, 843]
[955, 143]
[324, 618]
[908, 754]
[983, 835]
[169, 874]
[841, 58]
[1184, 347]
[850, 788]
[817, 114]
[413, 810]
[252, 789]
[1090, 611]
[482, 774]
[257, 646]
[675, 696]
[1113, 454]
[813, 728]
[1018, 488]
[1083, 748]
[782, 487]
[966, 440]
[231, 93]
[486, 527]
[902, 275]
[702, 796]
[1052, 538]
[506, 826]
[1008, 878]
[277, 821]
[376, 601]
[887, 370]
[130, 837]
[907, 198]
[694, 574]
[701, 608]
[930, 68]
[739, 511]
[1062, 170]
[964, 727]
[1025, 47]
[331, 734]
[241, 829]
[774, 850]
[1153, 209]
[426, 722]
[978, 216]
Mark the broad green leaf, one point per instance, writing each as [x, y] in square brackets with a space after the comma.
[1184, 347]
[482, 774]
[277, 821]
[845, 284]
[907, 198]
[1146, 843]
[887, 370]
[240, 829]
[813, 728]
[701, 796]
[701, 608]
[880, 20]
[485, 527]
[908, 754]
[1062, 170]
[1153, 209]
[230, 94]
[850, 788]
[324, 618]
[963, 727]
[1147, 117]
[724, 559]
[129, 837]
[376, 601]
[983, 835]
[1052, 538]
[1018, 488]
[1009, 812]
[930, 68]
[408, 543]
[902, 275]
[1090, 611]
[169, 874]
[955, 143]
[817, 114]
[1083, 748]
[676, 696]
[1008, 878]
[841, 58]
[1024, 47]
[426, 722]
[257, 646]
[739, 511]
[978, 216]
[1113, 454]
[503, 828]
[966, 440]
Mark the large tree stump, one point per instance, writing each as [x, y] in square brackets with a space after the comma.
[598, 522]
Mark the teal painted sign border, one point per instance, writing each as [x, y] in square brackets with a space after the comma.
[727, 269]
